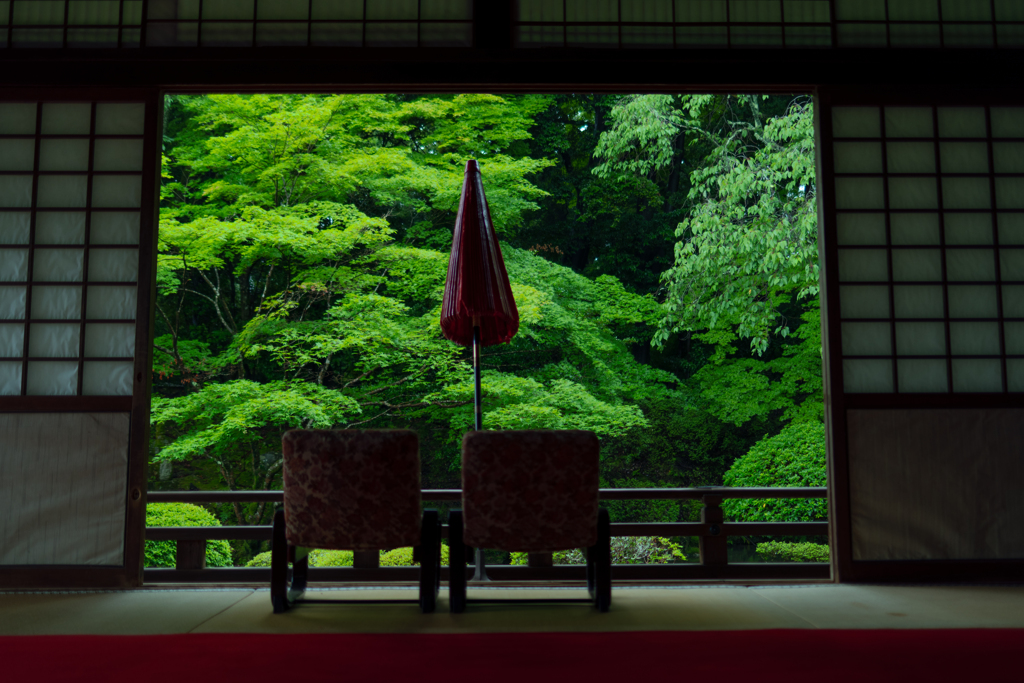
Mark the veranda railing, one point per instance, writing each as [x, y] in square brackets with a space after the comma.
[712, 532]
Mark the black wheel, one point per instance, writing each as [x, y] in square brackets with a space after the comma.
[603, 563]
[456, 563]
[591, 553]
[429, 550]
[279, 565]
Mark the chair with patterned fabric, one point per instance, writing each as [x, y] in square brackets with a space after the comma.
[531, 491]
[351, 490]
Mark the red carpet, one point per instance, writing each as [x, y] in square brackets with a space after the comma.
[759, 656]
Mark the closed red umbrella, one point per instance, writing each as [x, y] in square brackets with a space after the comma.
[478, 307]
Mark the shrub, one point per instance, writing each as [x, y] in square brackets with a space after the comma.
[793, 457]
[399, 557]
[777, 551]
[625, 550]
[162, 553]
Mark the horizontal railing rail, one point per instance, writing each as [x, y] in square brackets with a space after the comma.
[712, 532]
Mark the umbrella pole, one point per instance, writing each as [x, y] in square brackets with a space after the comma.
[480, 572]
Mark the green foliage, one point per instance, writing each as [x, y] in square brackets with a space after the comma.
[318, 557]
[625, 550]
[794, 457]
[162, 553]
[792, 552]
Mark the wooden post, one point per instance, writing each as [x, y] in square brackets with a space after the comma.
[366, 559]
[713, 548]
[539, 559]
[190, 555]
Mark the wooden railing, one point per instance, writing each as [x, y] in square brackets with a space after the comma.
[712, 532]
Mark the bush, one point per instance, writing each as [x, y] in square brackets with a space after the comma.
[399, 557]
[162, 553]
[793, 457]
[792, 552]
[625, 550]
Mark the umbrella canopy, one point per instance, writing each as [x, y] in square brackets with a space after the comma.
[477, 292]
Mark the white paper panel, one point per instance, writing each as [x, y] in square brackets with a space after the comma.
[1010, 193]
[1011, 264]
[62, 191]
[918, 301]
[966, 193]
[110, 340]
[118, 155]
[114, 227]
[62, 154]
[921, 339]
[13, 265]
[12, 303]
[52, 378]
[282, 9]
[914, 228]
[913, 193]
[107, 378]
[1013, 301]
[921, 376]
[867, 339]
[917, 265]
[60, 227]
[463, 9]
[974, 339]
[1008, 157]
[117, 191]
[53, 340]
[58, 265]
[962, 122]
[56, 303]
[14, 227]
[973, 301]
[1014, 335]
[111, 303]
[856, 157]
[353, 9]
[65, 482]
[94, 12]
[910, 157]
[867, 376]
[231, 9]
[864, 302]
[113, 265]
[861, 228]
[863, 265]
[968, 228]
[12, 340]
[1007, 122]
[19, 118]
[970, 264]
[855, 122]
[908, 122]
[1011, 228]
[859, 193]
[66, 118]
[977, 375]
[10, 378]
[120, 118]
[1014, 374]
[15, 191]
[17, 155]
[964, 157]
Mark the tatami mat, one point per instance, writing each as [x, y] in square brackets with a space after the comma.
[633, 609]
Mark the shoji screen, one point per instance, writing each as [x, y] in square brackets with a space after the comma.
[923, 242]
[76, 240]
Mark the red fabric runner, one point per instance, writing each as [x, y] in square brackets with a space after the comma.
[789, 656]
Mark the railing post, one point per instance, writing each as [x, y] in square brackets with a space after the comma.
[540, 559]
[190, 555]
[713, 549]
[366, 559]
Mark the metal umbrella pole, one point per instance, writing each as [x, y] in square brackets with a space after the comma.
[480, 573]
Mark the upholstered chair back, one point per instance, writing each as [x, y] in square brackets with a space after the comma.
[530, 490]
[352, 489]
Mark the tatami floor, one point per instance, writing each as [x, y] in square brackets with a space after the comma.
[235, 610]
